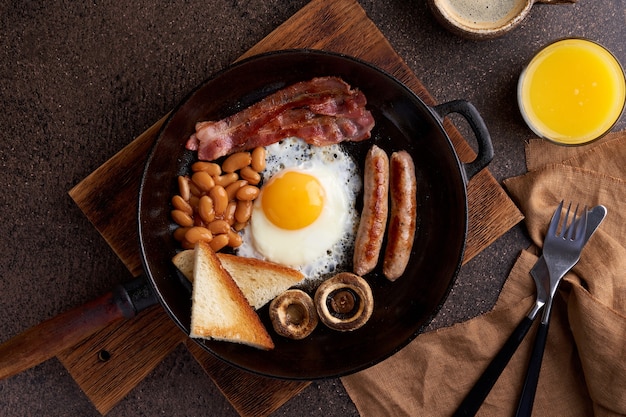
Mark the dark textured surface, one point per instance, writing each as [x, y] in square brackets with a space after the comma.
[80, 80]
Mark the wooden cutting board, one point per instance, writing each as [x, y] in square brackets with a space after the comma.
[108, 197]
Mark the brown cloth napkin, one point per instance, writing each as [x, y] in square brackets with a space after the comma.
[584, 366]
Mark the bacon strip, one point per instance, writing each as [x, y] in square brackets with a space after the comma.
[322, 111]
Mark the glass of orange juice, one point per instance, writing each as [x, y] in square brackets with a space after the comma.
[572, 92]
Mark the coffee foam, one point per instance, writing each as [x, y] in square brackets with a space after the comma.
[484, 14]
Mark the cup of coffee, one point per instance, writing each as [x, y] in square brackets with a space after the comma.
[483, 19]
[572, 91]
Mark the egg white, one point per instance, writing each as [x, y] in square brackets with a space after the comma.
[325, 246]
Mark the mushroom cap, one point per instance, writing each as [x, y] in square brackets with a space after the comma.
[344, 302]
[293, 314]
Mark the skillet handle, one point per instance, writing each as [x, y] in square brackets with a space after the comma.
[483, 138]
[47, 339]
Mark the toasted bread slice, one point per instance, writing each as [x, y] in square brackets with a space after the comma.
[260, 281]
[219, 309]
[184, 262]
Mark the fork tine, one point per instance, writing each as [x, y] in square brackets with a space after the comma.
[570, 232]
[556, 219]
[564, 226]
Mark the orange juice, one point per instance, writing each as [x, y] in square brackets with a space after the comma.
[572, 92]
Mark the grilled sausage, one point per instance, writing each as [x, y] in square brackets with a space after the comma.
[369, 238]
[402, 223]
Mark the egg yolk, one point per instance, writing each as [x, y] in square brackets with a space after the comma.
[292, 200]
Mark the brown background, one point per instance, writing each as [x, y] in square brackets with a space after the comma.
[79, 82]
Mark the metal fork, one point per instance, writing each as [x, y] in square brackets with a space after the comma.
[561, 251]
[483, 385]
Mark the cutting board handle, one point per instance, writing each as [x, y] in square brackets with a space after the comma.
[65, 330]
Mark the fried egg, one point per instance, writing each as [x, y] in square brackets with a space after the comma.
[305, 216]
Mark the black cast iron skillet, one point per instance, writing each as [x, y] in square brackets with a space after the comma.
[403, 121]
[402, 308]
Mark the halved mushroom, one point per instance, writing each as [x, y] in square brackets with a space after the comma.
[344, 302]
[293, 314]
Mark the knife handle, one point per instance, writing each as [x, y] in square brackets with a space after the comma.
[487, 380]
[525, 406]
[47, 339]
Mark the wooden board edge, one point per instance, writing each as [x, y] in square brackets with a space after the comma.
[236, 385]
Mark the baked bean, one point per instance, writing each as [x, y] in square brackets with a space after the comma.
[220, 199]
[193, 202]
[250, 175]
[231, 189]
[229, 213]
[179, 233]
[210, 168]
[197, 233]
[234, 239]
[219, 226]
[205, 209]
[194, 189]
[183, 187]
[258, 159]
[188, 245]
[236, 161]
[219, 242]
[215, 203]
[226, 179]
[248, 192]
[180, 204]
[182, 218]
[243, 211]
[203, 180]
